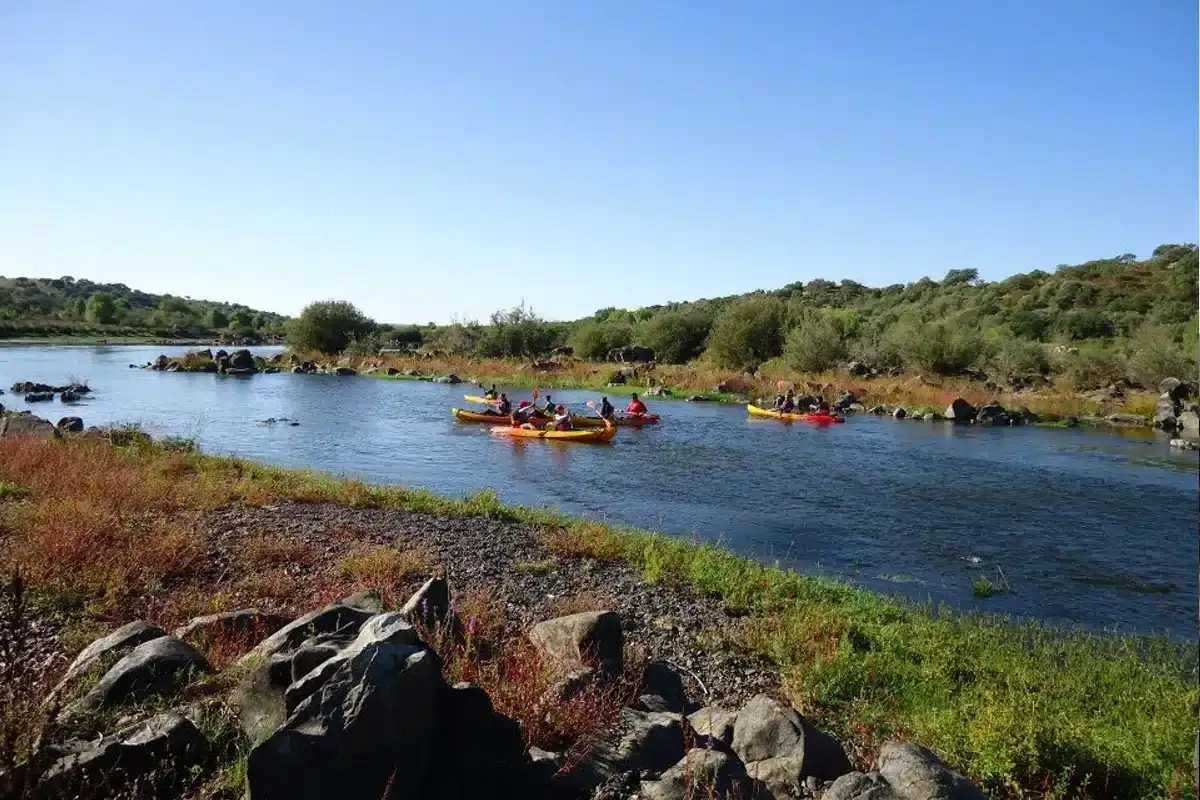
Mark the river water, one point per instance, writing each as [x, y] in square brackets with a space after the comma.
[1087, 527]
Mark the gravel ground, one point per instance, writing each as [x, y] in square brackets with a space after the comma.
[694, 634]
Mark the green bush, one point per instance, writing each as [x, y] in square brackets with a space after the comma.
[676, 337]
[1097, 364]
[940, 347]
[1155, 353]
[329, 327]
[517, 332]
[748, 333]
[816, 344]
[1019, 357]
[595, 339]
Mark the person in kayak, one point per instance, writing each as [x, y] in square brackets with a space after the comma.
[789, 402]
[606, 408]
[821, 407]
[490, 394]
[778, 406]
[522, 415]
[503, 407]
[551, 408]
[636, 407]
[562, 418]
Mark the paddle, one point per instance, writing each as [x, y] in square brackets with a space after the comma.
[592, 405]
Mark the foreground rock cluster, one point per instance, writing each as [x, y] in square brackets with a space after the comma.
[348, 701]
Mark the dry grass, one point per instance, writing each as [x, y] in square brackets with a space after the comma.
[387, 569]
[567, 605]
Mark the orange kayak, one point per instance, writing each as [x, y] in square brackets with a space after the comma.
[755, 411]
[602, 435]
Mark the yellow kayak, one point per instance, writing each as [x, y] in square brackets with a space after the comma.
[755, 411]
[486, 401]
[463, 415]
[601, 435]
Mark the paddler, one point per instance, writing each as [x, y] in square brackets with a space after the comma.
[490, 394]
[778, 403]
[521, 415]
[550, 408]
[606, 408]
[562, 418]
[636, 407]
[503, 407]
[789, 402]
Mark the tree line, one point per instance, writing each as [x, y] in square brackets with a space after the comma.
[1119, 318]
[67, 306]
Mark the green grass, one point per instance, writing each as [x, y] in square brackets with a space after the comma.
[984, 588]
[1028, 710]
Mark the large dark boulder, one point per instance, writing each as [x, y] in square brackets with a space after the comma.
[155, 758]
[25, 425]
[241, 359]
[991, 414]
[477, 752]
[153, 668]
[661, 689]
[593, 638]
[364, 725]
[111, 647]
[960, 411]
[160, 363]
[70, 425]
[640, 740]
[781, 748]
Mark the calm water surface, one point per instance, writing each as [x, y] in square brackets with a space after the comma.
[1088, 528]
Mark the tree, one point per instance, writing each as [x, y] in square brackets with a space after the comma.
[959, 277]
[816, 344]
[241, 318]
[102, 309]
[217, 319]
[748, 332]
[516, 332]
[328, 327]
[676, 337]
[595, 339]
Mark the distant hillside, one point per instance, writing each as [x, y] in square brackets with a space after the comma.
[1128, 318]
[67, 307]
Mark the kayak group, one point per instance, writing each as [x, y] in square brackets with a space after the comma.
[542, 418]
[554, 416]
[789, 404]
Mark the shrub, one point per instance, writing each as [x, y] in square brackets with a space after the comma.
[676, 337]
[1019, 357]
[817, 344]
[329, 327]
[748, 333]
[1097, 364]
[938, 347]
[595, 339]
[1154, 353]
[516, 332]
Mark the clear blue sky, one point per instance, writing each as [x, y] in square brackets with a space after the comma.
[429, 160]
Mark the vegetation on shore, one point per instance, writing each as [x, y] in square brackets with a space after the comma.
[106, 532]
[1109, 321]
[67, 311]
